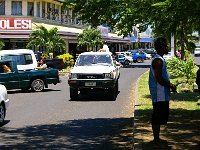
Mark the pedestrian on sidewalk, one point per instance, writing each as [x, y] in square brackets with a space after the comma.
[159, 86]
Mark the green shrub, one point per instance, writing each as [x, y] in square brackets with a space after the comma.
[67, 59]
[182, 72]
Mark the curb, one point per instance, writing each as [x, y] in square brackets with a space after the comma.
[137, 145]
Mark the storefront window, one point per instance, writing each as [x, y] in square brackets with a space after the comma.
[30, 9]
[57, 13]
[38, 9]
[2, 7]
[16, 8]
[43, 10]
[53, 12]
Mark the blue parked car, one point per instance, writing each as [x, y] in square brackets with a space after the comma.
[138, 56]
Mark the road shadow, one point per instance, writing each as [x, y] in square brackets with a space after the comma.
[156, 146]
[85, 134]
[95, 96]
[29, 91]
[4, 123]
[181, 132]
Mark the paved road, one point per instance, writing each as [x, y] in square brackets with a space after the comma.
[49, 120]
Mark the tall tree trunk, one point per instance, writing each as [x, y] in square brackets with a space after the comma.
[182, 42]
[175, 44]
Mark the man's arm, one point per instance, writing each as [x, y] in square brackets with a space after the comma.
[157, 65]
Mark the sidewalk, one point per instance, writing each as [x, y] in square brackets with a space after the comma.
[182, 130]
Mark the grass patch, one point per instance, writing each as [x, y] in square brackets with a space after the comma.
[183, 129]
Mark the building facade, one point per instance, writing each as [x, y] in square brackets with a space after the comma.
[19, 17]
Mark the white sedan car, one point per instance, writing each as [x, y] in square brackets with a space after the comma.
[4, 101]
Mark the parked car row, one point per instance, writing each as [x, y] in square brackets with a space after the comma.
[133, 56]
[125, 58]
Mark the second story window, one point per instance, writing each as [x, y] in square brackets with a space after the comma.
[30, 9]
[2, 7]
[16, 8]
[49, 10]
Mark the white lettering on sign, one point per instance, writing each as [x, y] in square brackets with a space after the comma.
[15, 24]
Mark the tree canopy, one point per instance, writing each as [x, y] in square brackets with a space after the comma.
[166, 17]
[122, 15]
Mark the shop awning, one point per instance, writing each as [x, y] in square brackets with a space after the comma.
[60, 28]
[146, 40]
[132, 39]
[71, 33]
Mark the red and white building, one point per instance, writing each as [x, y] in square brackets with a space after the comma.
[19, 17]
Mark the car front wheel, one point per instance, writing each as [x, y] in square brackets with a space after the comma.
[126, 62]
[37, 85]
[117, 87]
[73, 93]
[139, 60]
[2, 113]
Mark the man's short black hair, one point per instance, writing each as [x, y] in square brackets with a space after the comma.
[160, 43]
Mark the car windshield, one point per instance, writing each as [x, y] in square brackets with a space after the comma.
[86, 60]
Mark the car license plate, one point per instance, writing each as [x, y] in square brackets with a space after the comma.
[90, 83]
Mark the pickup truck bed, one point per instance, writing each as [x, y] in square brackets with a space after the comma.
[37, 80]
[55, 63]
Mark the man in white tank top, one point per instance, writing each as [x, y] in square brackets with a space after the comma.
[159, 86]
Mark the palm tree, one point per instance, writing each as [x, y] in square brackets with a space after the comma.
[90, 37]
[46, 39]
[1, 44]
[55, 42]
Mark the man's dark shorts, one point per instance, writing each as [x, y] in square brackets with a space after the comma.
[160, 113]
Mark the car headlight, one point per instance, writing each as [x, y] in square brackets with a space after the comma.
[110, 75]
[107, 75]
[73, 76]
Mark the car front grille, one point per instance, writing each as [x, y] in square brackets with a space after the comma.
[91, 76]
